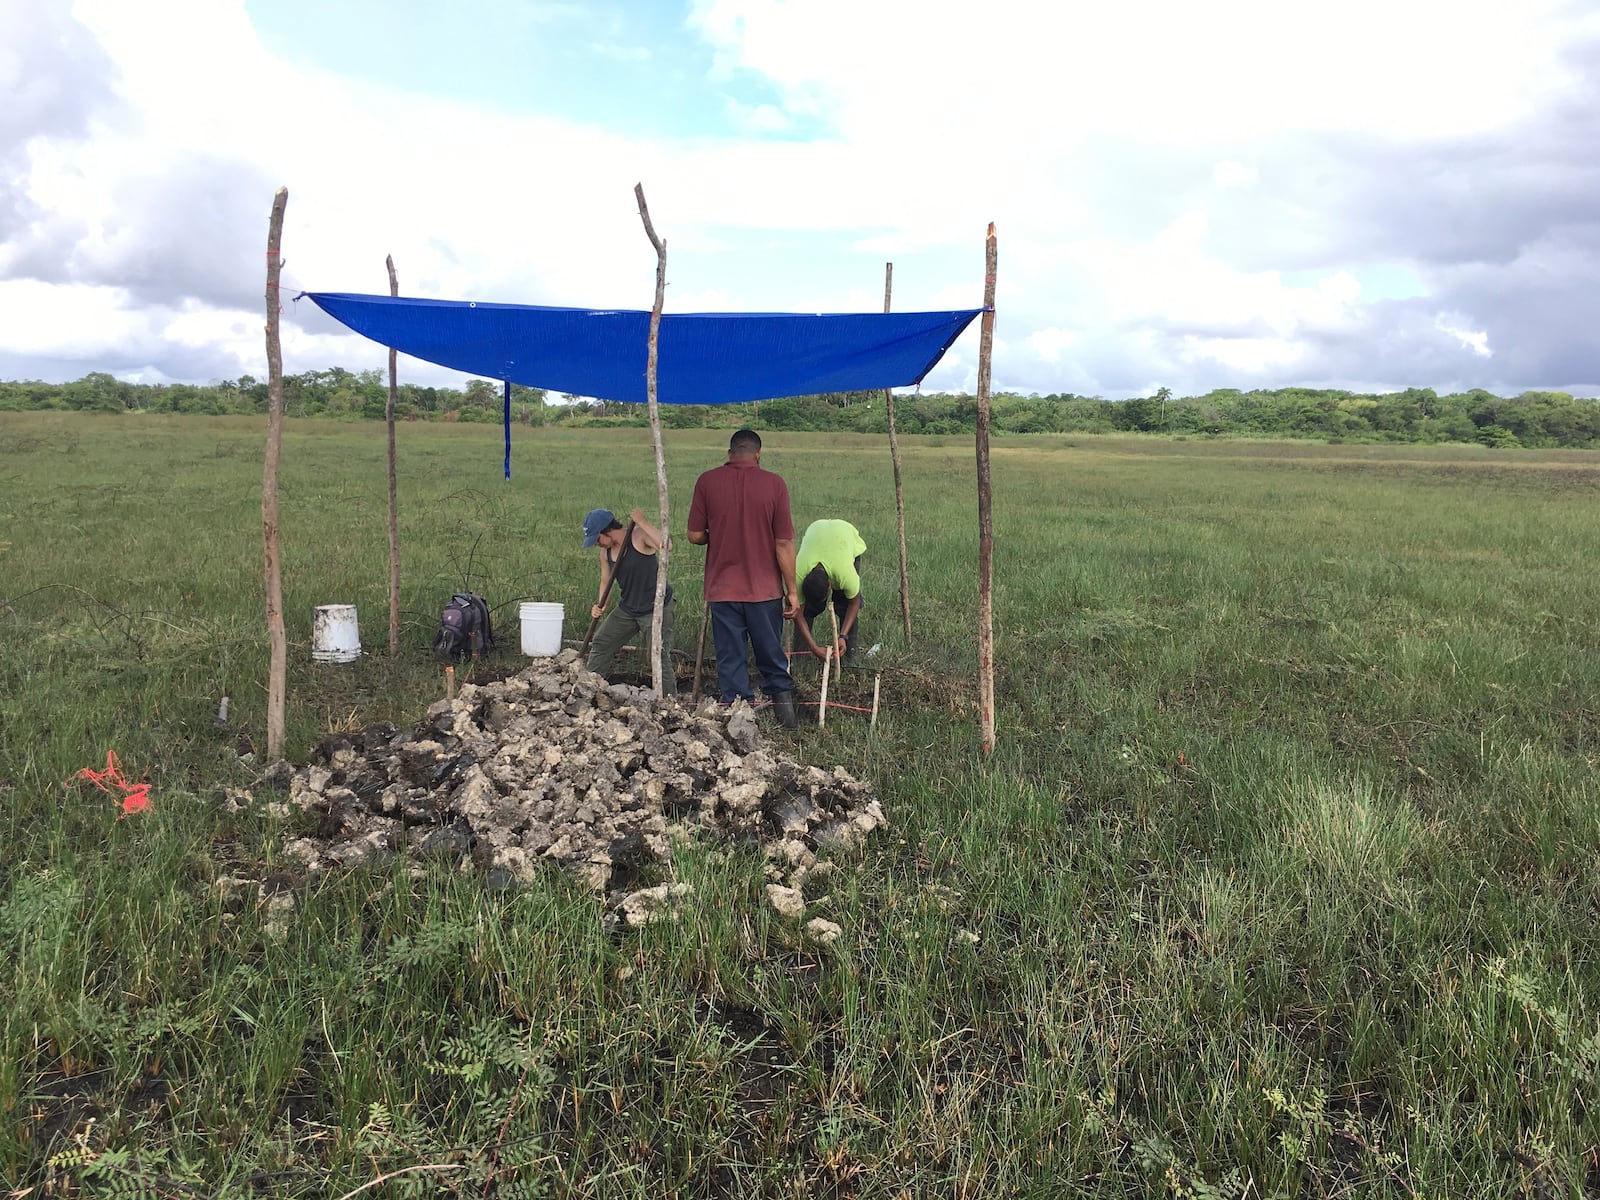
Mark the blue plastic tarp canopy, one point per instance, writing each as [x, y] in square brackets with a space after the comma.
[702, 358]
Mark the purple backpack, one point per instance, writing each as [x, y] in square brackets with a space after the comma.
[463, 629]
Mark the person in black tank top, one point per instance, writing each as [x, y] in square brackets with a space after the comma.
[631, 556]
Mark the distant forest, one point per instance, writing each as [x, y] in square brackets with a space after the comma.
[1533, 419]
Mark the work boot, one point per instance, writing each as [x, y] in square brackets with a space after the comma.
[783, 709]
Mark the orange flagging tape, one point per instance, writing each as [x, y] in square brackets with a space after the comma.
[135, 796]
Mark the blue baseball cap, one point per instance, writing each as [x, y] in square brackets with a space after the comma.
[597, 522]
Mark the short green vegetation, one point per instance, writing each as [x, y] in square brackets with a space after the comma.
[1283, 881]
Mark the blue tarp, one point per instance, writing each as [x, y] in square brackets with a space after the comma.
[703, 358]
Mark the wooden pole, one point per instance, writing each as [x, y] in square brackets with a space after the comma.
[872, 726]
[899, 489]
[700, 653]
[269, 487]
[985, 514]
[822, 704]
[655, 434]
[394, 508]
[833, 649]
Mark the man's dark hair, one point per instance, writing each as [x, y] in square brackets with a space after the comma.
[744, 441]
[814, 587]
[615, 524]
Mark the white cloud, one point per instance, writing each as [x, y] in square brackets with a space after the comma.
[1455, 326]
[621, 53]
[53, 319]
[699, 301]
[1181, 190]
[1049, 344]
[759, 118]
[1168, 69]
[1245, 354]
[1233, 175]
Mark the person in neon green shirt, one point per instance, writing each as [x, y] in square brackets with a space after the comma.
[828, 563]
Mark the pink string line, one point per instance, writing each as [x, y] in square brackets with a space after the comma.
[813, 704]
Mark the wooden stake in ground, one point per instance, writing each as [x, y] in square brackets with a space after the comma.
[394, 508]
[833, 649]
[872, 726]
[822, 704]
[269, 487]
[899, 490]
[700, 652]
[655, 435]
[985, 515]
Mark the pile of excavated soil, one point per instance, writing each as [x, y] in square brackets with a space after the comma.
[556, 766]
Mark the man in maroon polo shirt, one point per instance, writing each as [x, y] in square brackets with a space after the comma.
[740, 513]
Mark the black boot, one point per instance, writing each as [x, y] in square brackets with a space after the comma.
[783, 709]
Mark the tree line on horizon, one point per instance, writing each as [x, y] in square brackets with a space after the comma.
[1536, 419]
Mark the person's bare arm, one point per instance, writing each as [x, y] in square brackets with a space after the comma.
[698, 525]
[846, 625]
[791, 591]
[651, 536]
[804, 626]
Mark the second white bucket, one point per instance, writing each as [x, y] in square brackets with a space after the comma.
[541, 629]
[335, 634]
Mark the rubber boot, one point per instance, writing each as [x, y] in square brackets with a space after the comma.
[783, 709]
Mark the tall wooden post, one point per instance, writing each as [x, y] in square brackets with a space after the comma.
[655, 434]
[394, 508]
[269, 486]
[985, 516]
[899, 490]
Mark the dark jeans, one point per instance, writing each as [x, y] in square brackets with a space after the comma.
[761, 623]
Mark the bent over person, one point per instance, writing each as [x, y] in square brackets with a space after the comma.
[740, 513]
[828, 566]
[628, 555]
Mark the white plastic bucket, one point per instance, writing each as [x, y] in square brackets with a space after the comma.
[335, 636]
[541, 629]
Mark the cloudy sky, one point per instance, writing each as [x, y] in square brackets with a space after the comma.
[1374, 194]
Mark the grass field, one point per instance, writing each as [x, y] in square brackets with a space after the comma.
[1283, 880]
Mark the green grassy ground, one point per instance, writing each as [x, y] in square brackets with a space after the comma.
[1283, 880]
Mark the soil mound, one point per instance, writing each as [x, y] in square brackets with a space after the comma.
[556, 766]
